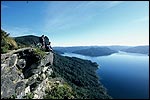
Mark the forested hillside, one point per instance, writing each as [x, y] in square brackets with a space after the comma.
[80, 74]
[138, 49]
[29, 40]
[99, 51]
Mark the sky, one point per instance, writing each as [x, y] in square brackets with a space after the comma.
[79, 23]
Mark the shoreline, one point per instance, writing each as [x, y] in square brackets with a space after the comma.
[83, 77]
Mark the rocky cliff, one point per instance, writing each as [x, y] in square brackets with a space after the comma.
[24, 74]
[29, 73]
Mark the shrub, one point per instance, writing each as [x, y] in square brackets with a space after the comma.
[29, 96]
[60, 92]
[7, 43]
[4, 49]
[12, 43]
[39, 52]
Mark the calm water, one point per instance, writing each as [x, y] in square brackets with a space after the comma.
[125, 75]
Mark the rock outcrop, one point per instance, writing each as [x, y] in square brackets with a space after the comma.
[24, 74]
[30, 73]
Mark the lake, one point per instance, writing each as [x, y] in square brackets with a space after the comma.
[125, 75]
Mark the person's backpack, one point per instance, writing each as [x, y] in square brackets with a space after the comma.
[46, 40]
[40, 40]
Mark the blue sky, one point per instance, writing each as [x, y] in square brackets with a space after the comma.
[79, 23]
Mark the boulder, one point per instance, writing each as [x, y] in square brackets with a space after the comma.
[22, 72]
[49, 71]
[20, 87]
[40, 90]
[7, 88]
[30, 81]
[44, 69]
[9, 78]
[48, 60]
[43, 76]
[35, 76]
[4, 57]
[33, 69]
[21, 63]
[4, 69]
[14, 75]
[13, 60]
[27, 89]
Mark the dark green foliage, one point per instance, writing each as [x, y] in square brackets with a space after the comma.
[4, 49]
[12, 97]
[60, 92]
[7, 43]
[53, 75]
[39, 52]
[99, 51]
[28, 96]
[27, 40]
[22, 45]
[80, 74]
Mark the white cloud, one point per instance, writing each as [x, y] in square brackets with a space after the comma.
[60, 15]
[57, 20]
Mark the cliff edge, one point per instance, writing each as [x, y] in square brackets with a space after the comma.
[23, 72]
[29, 73]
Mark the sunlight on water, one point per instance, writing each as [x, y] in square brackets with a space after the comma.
[125, 75]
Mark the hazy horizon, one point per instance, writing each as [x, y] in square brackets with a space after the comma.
[101, 45]
[79, 23]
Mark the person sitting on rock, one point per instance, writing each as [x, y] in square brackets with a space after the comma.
[42, 41]
[49, 48]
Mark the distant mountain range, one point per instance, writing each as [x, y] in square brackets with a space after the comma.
[98, 51]
[71, 49]
[118, 48]
[79, 49]
[85, 50]
[138, 49]
[75, 48]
